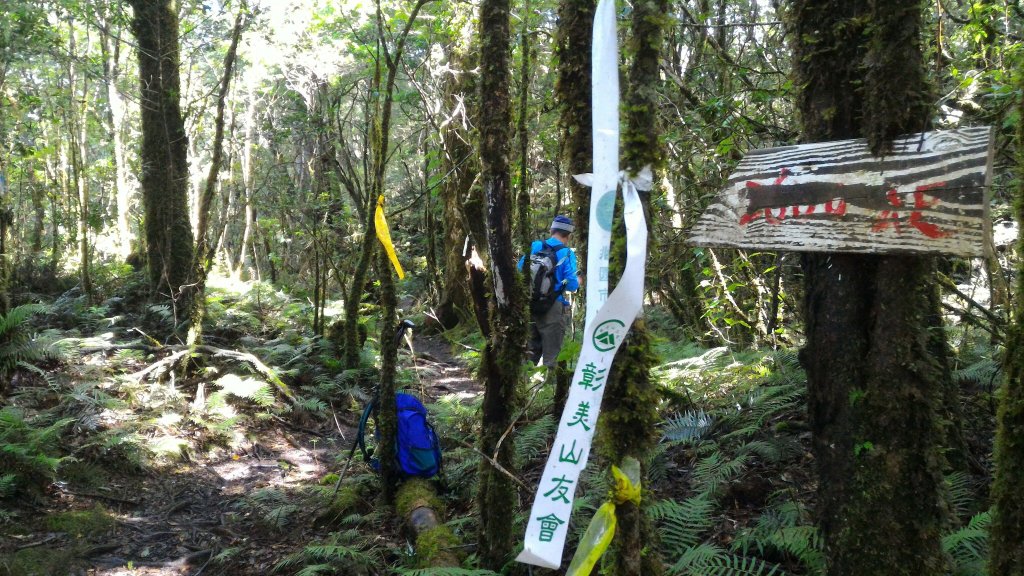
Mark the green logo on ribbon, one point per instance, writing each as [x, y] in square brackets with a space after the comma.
[606, 209]
[608, 334]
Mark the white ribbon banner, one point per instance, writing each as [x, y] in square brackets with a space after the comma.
[604, 84]
[608, 317]
[552, 506]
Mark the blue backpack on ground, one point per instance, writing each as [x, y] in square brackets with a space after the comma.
[416, 446]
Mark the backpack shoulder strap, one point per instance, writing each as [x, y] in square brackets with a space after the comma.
[361, 432]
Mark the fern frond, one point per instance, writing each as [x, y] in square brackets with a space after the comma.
[695, 560]
[984, 371]
[8, 482]
[682, 524]
[961, 492]
[715, 470]
[729, 565]
[968, 546]
[532, 440]
[445, 572]
[688, 426]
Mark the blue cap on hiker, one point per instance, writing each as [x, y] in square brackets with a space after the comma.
[562, 223]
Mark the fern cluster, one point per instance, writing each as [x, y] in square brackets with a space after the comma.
[30, 455]
[18, 347]
[735, 435]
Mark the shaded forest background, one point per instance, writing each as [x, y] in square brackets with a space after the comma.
[175, 305]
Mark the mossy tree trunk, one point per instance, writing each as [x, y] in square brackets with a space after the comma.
[572, 89]
[387, 415]
[6, 220]
[504, 353]
[629, 425]
[523, 233]
[873, 381]
[381, 130]
[1007, 532]
[204, 248]
[460, 98]
[164, 152]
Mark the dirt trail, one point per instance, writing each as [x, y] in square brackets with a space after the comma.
[175, 521]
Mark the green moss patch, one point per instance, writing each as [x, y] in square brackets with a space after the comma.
[37, 562]
[81, 523]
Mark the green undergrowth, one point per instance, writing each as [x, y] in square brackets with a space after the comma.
[76, 529]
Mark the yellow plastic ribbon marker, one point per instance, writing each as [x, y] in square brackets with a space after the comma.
[602, 526]
[627, 481]
[594, 542]
[384, 235]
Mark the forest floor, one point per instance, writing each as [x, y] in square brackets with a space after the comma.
[195, 515]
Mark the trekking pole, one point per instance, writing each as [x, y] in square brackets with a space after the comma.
[403, 327]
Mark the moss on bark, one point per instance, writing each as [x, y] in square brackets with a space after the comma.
[164, 151]
[873, 380]
[502, 363]
[1007, 532]
[572, 89]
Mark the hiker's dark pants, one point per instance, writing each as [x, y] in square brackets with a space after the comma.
[546, 333]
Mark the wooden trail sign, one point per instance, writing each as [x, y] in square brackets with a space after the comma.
[928, 196]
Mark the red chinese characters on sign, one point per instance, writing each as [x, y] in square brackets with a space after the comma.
[921, 201]
[775, 216]
[895, 217]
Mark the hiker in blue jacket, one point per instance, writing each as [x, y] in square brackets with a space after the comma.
[547, 328]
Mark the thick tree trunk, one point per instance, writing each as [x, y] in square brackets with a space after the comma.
[6, 220]
[387, 420]
[164, 151]
[78, 123]
[459, 164]
[1007, 533]
[524, 235]
[873, 382]
[504, 353]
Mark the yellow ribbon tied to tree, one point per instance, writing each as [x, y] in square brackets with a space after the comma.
[384, 235]
[601, 530]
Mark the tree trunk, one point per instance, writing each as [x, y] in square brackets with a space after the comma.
[458, 163]
[873, 383]
[575, 26]
[629, 427]
[504, 353]
[524, 234]
[248, 181]
[115, 114]
[6, 220]
[78, 124]
[204, 249]
[1007, 532]
[164, 151]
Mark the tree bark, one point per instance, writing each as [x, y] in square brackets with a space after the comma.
[1007, 532]
[204, 248]
[873, 382]
[573, 37]
[164, 151]
[458, 163]
[115, 115]
[504, 353]
[629, 426]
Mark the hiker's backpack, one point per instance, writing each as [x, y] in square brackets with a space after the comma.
[543, 287]
[416, 447]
